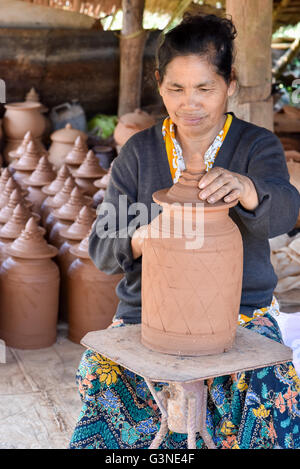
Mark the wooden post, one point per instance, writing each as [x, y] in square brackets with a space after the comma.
[132, 42]
[253, 20]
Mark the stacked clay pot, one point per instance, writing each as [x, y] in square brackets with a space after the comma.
[77, 155]
[26, 164]
[42, 176]
[71, 236]
[9, 187]
[131, 123]
[57, 201]
[53, 188]
[191, 281]
[29, 291]
[15, 154]
[87, 173]
[18, 119]
[92, 300]
[62, 142]
[66, 214]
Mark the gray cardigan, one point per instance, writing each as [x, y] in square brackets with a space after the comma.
[142, 168]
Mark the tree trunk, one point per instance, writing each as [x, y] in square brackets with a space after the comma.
[132, 42]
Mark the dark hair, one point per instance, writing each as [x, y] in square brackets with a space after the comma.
[204, 35]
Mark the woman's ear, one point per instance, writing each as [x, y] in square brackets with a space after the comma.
[233, 83]
[157, 77]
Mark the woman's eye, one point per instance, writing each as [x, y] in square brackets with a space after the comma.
[175, 89]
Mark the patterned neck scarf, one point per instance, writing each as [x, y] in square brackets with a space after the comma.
[174, 151]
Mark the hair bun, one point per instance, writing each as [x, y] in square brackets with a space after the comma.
[224, 25]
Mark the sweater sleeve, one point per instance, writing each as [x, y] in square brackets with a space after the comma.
[279, 201]
[110, 238]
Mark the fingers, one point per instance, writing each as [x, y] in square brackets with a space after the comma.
[220, 184]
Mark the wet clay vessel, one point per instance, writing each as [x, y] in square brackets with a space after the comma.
[191, 272]
[92, 300]
[29, 289]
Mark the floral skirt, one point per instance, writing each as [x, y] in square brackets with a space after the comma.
[256, 409]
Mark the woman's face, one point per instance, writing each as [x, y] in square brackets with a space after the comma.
[194, 95]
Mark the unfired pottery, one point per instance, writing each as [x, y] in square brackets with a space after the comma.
[191, 292]
[87, 173]
[62, 143]
[92, 300]
[29, 289]
[131, 123]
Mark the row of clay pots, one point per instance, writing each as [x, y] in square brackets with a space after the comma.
[45, 258]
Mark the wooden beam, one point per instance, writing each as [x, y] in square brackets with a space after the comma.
[286, 58]
[132, 43]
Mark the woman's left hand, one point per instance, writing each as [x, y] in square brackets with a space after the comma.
[221, 184]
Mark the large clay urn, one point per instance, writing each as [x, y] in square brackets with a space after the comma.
[191, 272]
[92, 300]
[18, 119]
[62, 143]
[131, 123]
[29, 289]
[71, 236]
[40, 177]
[87, 173]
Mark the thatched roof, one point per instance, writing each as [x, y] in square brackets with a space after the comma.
[286, 12]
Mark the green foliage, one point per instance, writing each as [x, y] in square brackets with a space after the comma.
[102, 125]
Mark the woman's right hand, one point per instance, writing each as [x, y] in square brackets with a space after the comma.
[137, 240]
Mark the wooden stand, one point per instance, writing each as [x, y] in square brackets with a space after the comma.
[182, 401]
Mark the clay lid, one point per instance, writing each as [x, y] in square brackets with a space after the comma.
[71, 209]
[102, 183]
[5, 175]
[42, 175]
[21, 148]
[14, 226]
[137, 119]
[63, 195]
[67, 134]
[186, 190]
[23, 105]
[9, 187]
[31, 244]
[90, 167]
[81, 249]
[62, 175]
[15, 198]
[82, 225]
[32, 95]
[78, 153]
[29, 159]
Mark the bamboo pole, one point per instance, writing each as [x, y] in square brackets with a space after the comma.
[132, 43]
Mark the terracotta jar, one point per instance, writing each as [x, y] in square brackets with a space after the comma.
[71, 236]
[87, 173]
[15, 154]
[40, 177]
[62, 143]
[5, 175]
[57, 201]
[131, 123]
[14, 199]
[29, 289]
[77, 155]
[26, 164]
[191, 273]
[10, 186]
[33, 96]
[92, 300]
[53, 188]
[17, 120]
[66, 214]
[13, 228]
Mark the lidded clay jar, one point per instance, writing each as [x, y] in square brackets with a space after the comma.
[66, 214]
[15, 154]
[87, 173]
[192, 272]
[57, 201]
[92, 299]
[62, 143]
[71, 236]
[131, 123]
[9, 187]
[29, 289]
[26, 164]
[53, 188]
[40, 177]
[77, 155]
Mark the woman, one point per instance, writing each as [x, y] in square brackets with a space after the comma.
[254, 409]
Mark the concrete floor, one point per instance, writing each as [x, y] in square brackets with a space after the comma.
[39, 400]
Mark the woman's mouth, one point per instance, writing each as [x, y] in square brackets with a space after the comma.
[191, 120]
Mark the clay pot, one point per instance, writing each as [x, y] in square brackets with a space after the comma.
[40, 177]
[26, 164]
[191, 281]
[87, 173]
[14, 199]
[57, 201]
[92, 300]
[5, 175]
[12, 155]
[29, 289]
[131, 123]
[10, 186]
[62, 143]
[102, 183]
[66, 214]
[71, 235]
[21, 117]
[33, 96]
[77, 155]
